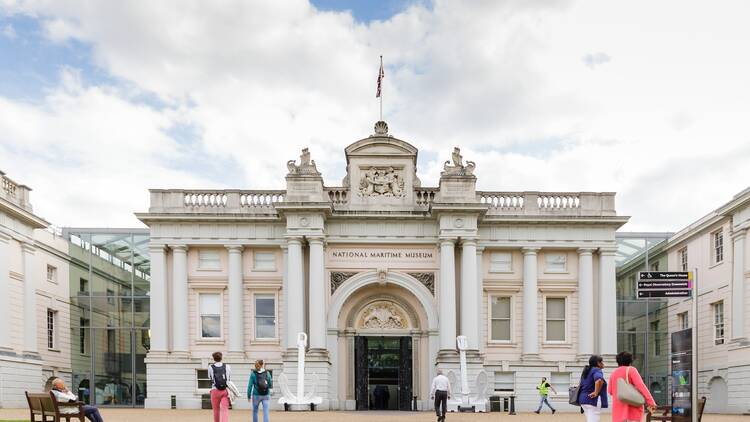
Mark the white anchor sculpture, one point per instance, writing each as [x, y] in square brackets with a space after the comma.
[299, 400]
[479, 401]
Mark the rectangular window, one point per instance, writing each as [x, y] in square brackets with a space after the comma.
[683, 259]
[83, 287]
[505, 382]
[632, 341]
[655, 266]
[500, 262]
[718, 246]
[500, 322]
[718, 322]
[560, 380]
[682, 321]
[210, 315]
[83, 337]
[555, 262]
[110, 296]
[555, 318]
[51, 334]
[265, 316]
[204, 382]
[209, 259]
[51, 274]
[264, 261]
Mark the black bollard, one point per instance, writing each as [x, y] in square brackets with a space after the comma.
[414, 404]
[512, 405]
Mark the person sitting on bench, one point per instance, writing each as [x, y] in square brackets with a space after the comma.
[63, 395]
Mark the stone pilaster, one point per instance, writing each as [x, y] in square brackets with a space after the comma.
[585, 301]
[607, 302]
[159, 303]
[317, 294]
[295, 299]
[30, 277]
[236, 302]
[180, 340]
[738, 286]
[4, 287]
[447, 295]
[530, 303]
[469, 293]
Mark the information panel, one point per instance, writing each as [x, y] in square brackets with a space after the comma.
[682, 375]
[664, 284]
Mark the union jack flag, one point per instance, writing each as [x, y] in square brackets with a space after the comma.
[381, 75]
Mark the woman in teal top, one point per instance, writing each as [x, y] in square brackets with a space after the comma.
[259, 390]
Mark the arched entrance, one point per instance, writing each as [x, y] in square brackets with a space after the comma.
[718, 400]
[383, 329]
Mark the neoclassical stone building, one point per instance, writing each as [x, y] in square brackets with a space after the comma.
[382, 273]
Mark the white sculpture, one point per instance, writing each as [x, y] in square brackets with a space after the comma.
[300, 400]
[466, 401]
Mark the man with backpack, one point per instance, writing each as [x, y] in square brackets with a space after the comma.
[219, 373]
[259, 390]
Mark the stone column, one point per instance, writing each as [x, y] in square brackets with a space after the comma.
[285, 298]
[469, 295]
[179, 299]
[295, 309]
[530, 305]
[738, 285]
[585, 301]
[607, 302]
[30, 278]
[4, 287]
[236, 302]
[447, 298]
[159, 303]
[480, 296]
[317, 294]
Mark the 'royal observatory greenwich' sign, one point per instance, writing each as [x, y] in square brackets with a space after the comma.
[665, 284]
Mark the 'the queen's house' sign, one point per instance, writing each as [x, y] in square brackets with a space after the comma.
[355, 257]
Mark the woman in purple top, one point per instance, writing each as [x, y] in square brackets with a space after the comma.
[593, 393]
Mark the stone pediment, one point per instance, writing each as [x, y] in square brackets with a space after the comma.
[379, 146]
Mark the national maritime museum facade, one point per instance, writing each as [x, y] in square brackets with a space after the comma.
[382, 274]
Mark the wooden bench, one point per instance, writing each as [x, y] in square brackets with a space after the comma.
[44, 408]
[664, 413]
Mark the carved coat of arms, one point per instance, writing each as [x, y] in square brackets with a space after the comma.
[381, 182]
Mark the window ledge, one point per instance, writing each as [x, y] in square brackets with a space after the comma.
[557, 344]
[500, 343]
[715, 264]
[265, 341]
[53, 350]
[209, 341]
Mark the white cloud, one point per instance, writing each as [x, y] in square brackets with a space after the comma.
[9, 32]
[503, 80]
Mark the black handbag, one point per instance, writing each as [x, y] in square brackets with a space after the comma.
[573, 395]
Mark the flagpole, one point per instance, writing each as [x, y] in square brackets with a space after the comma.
[381, 91]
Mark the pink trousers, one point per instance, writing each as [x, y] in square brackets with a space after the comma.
[220, 404]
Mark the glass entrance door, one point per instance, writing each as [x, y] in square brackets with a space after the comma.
[383, 373]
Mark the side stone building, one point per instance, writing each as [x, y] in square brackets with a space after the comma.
[382, 273]
[34, 300]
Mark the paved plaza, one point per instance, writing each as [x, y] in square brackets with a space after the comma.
[130, 415]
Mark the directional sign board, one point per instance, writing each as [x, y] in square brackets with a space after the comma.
[665, 284]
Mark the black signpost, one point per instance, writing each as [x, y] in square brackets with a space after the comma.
[664, 284]
[684, 353]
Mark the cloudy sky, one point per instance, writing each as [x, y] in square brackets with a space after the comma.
[100, 101]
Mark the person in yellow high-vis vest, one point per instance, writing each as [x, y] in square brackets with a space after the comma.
[544, 388]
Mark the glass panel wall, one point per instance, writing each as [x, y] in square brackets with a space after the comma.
[109, 289]
[642, 323]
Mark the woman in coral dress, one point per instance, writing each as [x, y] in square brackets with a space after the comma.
[622, 412]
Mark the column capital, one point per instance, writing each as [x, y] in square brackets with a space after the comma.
[531, 250]
[5, 238]
[157, 248]
[316, 240]
[234, 248]
[293, 239]
[480, 249]
[607, 250]
[179, 248]
[448, 240]
[739, 234]
[469, 241]
[586, 251]
[28, 247]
